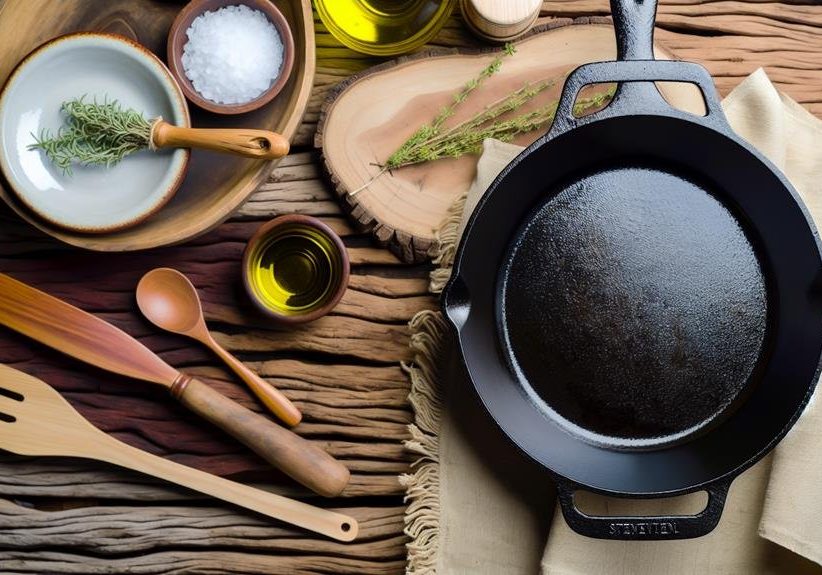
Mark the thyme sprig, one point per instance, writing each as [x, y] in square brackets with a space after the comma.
[434, 141]
[94, 134]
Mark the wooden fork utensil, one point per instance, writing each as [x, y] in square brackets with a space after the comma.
[36, 420]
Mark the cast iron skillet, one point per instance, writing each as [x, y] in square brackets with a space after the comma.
[635, 296]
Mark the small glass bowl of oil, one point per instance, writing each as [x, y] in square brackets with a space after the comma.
[384, 27]
[295, 268]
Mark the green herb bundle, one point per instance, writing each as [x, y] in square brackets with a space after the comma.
[94, 134]
[435, 141]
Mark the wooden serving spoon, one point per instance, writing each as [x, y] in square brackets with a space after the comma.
[169, 300]
[258, 144]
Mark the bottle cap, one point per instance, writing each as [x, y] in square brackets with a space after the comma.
[500, 21]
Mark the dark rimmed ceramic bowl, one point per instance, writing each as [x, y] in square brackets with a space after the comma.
[315, 282]
[177, 39]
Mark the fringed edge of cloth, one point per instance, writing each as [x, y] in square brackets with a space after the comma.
[428, 338]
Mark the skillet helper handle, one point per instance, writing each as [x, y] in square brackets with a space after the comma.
[257, 144]
[642, 98]
[299, 458]
[655, 528]
[635, 71]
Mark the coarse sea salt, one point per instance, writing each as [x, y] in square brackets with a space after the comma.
[232, 55]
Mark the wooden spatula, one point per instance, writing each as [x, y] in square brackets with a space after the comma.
[79, 334]
[36, 420]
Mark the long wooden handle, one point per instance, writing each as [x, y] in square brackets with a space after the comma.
[334, 525]
[272, 398]
[299, 458]
[259, 144]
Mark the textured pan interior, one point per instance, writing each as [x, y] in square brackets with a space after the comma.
[633, 305]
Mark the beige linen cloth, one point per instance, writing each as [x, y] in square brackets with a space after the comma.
[478, 507]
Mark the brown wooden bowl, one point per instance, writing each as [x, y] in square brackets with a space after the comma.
[177, 39]
[216, 184]
[329, 300]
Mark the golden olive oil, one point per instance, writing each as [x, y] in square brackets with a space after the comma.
[295, 270]
[384, 27]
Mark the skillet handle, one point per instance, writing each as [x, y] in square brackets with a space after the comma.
[648, 100]
[643, 528]
[634, 27]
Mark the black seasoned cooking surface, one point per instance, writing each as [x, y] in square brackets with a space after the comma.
[634, 305]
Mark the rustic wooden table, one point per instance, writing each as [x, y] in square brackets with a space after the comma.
[63, 516]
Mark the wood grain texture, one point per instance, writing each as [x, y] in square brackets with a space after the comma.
[74, 516]
[122, 538]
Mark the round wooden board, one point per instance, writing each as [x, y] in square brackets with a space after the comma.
[216, 184]
[371, 114]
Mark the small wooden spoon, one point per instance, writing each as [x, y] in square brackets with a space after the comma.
[169, 300]
[258, 144]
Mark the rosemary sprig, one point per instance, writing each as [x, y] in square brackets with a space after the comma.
[423, 150]
[467, 137]
[433, 141]
[427, 132]
[472, 85]
[94, 134]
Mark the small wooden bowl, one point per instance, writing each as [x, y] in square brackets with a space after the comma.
[177, 39]
[279, 228]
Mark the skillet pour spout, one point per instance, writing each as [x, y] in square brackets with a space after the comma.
[634, 299]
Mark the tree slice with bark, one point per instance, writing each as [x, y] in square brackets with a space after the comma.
[368, 116]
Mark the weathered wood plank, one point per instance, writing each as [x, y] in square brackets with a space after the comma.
[71, 479]
[117, 530]
[108, 531]
[201, 562]
[343, 372]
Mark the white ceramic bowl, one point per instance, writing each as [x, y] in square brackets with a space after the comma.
[98, 66]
